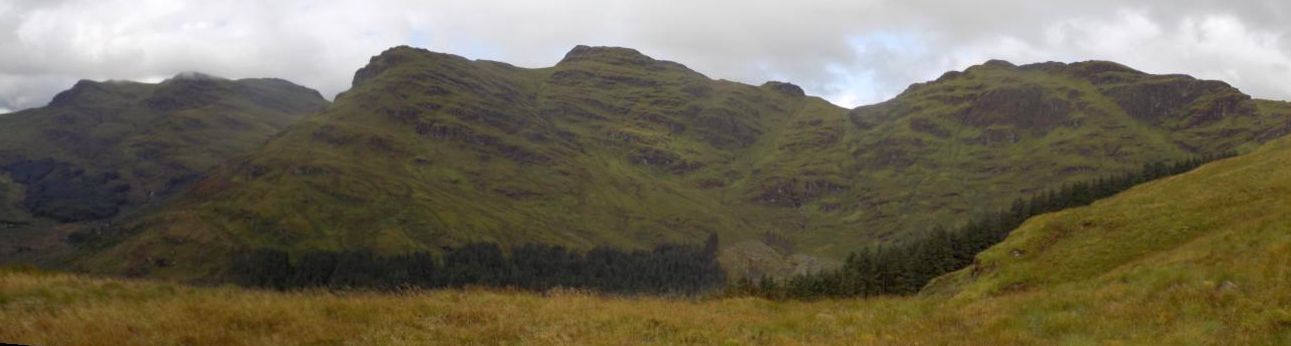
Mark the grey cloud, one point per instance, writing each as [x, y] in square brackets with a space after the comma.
[851, 52]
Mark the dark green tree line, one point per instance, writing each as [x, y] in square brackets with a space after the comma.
[666, 269]
[905, 267]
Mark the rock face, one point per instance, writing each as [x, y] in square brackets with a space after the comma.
[611, 147]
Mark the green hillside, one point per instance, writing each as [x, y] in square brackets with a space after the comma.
[1198, 258]
[101, 149]
[610, 147]
[1204, 255]
[1224, 225]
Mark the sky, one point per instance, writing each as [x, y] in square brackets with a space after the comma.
[850, 52]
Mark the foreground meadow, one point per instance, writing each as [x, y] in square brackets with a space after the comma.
[60, 309]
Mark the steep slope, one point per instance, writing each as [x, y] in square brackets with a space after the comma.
[101, 148]
[610, 147]
[1204, 255]
[1224, 222]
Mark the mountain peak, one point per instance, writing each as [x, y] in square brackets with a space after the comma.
[90, 92]
[785, 87]
[999, 63]
[618, 56]
[1096, 67]
[69, 96]
[990, 65]
[400, 50]
[392, 57]
[611, 55]
[194, 76]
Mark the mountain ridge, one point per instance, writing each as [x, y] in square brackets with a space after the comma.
[610, 147]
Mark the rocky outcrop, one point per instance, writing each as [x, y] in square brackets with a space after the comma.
[1167, 98]
[794, 192]
[785, 88]
[1027, 107]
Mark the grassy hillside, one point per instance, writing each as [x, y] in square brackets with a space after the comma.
[1223, 225]
[610, 147]
[102, 148]
[1205, 254]
[1199, 258]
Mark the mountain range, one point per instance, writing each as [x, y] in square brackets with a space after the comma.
[608, 147]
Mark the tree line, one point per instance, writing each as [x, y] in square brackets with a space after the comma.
[667, 269]
[905, 267]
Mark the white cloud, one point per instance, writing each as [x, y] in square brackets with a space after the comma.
[852, 52]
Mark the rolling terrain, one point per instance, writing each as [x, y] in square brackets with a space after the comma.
[1198, 258]
[102, 149]
[610, 147]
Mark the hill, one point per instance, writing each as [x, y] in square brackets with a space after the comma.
[102, 149]
[1203, 255]
[1219, 228]
[1199, 258]
[610, 147]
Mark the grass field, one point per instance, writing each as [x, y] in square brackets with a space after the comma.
[69, 310]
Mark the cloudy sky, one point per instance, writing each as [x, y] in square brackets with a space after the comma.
[851, 52]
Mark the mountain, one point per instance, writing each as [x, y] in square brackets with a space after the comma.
[101, 149]
[610, 147]
[972, 141]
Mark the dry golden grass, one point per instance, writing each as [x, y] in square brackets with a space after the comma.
[60, 309]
